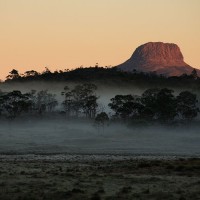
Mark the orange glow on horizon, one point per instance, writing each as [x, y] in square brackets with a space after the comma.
[62, 34]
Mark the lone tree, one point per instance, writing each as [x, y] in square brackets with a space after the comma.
[101, 120]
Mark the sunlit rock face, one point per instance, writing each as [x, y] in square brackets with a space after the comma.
[159, 57]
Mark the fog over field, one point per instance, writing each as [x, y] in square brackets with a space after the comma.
[56, 134]
[60, 136]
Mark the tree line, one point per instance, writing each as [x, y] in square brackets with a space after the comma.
[82, 101]
[156, 104]
[110, 75]
[15, 103]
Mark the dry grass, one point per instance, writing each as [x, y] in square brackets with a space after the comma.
[106, 179]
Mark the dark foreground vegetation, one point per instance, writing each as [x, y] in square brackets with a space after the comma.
[44, 178]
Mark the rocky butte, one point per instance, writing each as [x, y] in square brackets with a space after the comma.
[159, 57]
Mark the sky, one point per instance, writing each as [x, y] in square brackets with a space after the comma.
[65, 34]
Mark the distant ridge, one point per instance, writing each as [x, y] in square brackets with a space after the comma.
[159, 57]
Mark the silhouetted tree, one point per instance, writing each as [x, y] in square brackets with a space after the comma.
[46, 71]
[31, 73]
[45, 101]
[1, 102]
[101, 120]
[14, 74]
[90, 106]
[194, 74]
[187, 105]
[166, 105]
[14, 103]
[81, 99]
[126, 106]
[159, 104]
[68, 102]
[149, 100]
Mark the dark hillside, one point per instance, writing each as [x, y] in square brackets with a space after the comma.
[109, 76]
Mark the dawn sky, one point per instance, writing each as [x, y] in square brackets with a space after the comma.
[60, 34]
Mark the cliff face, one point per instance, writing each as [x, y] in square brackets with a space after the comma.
[163, 58]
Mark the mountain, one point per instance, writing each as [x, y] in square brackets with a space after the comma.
[159, 57]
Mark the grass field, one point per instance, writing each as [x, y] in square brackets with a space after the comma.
[98, 177]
